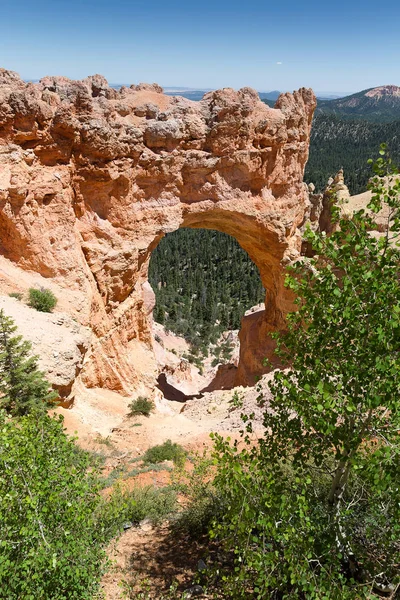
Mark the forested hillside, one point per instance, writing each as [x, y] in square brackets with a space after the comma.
[204, 282]
[347, 131]
[337, 142]
[379, 105]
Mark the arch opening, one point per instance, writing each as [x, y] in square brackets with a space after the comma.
[204, 283]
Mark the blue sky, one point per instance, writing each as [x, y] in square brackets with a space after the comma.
[337, 46]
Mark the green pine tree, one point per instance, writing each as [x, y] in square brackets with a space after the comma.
[160, 314]
[23, 388]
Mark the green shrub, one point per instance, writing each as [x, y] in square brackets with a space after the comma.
[194, 360]
[42, 299]
[16, 295]
[52, 526]
[104, 441]
[141, 406]
[147, 469]
[236, 401]
[203, 504]
[165, 451]
[151, 503]
[140, 503]
[116, 474]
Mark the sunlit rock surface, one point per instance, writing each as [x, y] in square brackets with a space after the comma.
[91, 178]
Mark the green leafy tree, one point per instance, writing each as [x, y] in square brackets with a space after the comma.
[23, 388]
[52, 522]
[314, 509]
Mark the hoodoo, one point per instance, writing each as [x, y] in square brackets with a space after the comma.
[91, 178]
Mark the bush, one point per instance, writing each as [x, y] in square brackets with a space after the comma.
[141, 406]
[42, 299]
[236, 401]
[203, 504]
[165, 451]
[149, 503]
[104, 441]
[52, 526]
[16, 295]
[194, 360]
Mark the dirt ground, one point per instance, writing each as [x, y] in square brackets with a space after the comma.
[147, 560]
[151, 561]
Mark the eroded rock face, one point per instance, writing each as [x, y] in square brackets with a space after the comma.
[91, 178]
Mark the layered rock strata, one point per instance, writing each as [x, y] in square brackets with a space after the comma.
[91, 178]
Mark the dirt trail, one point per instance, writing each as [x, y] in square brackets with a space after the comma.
[148, 560]
[151, 560]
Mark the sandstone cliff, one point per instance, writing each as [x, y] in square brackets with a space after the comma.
[91, 178]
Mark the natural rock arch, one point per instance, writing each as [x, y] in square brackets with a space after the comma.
[91, 179]
[269, 254]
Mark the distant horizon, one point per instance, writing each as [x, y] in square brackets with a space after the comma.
[182, 88]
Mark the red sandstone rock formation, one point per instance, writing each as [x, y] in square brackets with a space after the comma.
[91, 178]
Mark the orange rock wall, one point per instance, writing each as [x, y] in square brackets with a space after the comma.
[92, 178]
